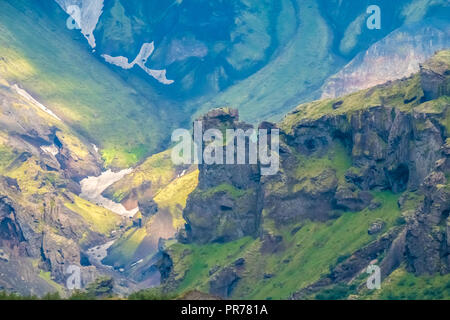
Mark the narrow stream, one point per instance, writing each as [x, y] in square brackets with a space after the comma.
[91, 190]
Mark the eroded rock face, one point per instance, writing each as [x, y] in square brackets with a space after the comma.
[16, 234]
[58, 254]
[348, 199]
[222, 284]
[427, 245]
[398, 146]
[9, 228]
[389, 149]
[226, 204]
[384, 60]
[434, 79]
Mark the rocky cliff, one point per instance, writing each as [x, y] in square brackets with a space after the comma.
[378, 156]
[226, 205]
[394, 57]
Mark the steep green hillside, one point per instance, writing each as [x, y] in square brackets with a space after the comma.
[363, 180]
[402, 285]
[40, 54]
[41, 160]
[306, 253]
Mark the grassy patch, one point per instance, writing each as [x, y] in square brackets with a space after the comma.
[337, 159]
[47, 277]
[173, 197]
[225, 187]
[402, 285]
[158, 171]
[76, 85]
[392, 94]
[32, 179]
[317, 246]
[122, 252]
[194, 267]
[99, 219]
[309, 252]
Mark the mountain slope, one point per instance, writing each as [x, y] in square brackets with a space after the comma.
[267, 58]
[44, 225]
[396, 56]
[40, 55]
[363, 180]
[362, 177]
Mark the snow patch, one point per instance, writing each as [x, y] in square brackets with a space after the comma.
[95, 147]
[141, 59]
[93, 187]
[29, 98]
[52, 149]
[86, 14]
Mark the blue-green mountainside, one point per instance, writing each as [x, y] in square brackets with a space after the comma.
[88, 105]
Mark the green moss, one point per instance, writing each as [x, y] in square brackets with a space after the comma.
[88, 95]
[174, 196]
[228, 188]
[157, 171]
[337, 159]
[122, 252]
[47, 277]
[402, 285]
[395, 94]
[440, 62]
[99, 219]
[193, 268]
[32, 179]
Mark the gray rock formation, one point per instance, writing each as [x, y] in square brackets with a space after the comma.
[397, 56]
[226, 204]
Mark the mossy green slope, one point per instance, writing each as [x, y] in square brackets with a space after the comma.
[40, 54]
[288, 257]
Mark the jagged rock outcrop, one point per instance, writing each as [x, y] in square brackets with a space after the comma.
[28, 233]
[427, 237]
[222, 284]
[389, 147]
[379, 151]
[434, 78]
[226, 204]
[9, 228]
[58, 254]
[348, 198]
